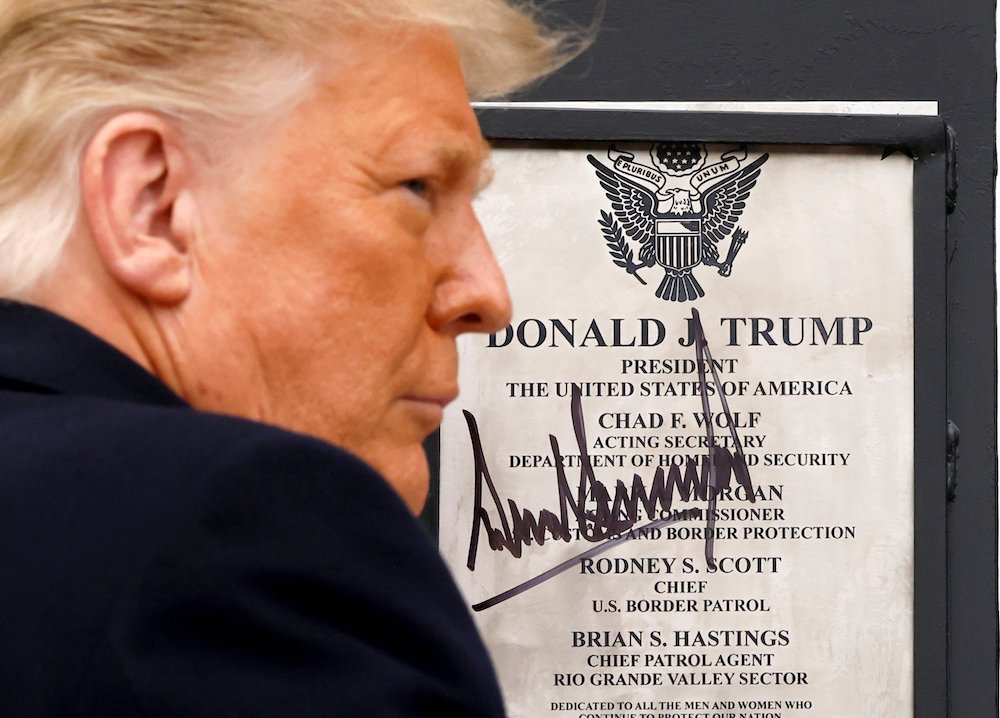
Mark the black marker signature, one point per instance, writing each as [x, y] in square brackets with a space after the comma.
[610, 522]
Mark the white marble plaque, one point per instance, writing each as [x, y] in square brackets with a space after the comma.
[679, 485]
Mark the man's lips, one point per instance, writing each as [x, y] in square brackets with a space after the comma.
[439, 400]
[433, 403]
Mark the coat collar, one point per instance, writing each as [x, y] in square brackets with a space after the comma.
[43, 352]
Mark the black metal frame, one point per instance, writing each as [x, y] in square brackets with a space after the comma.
[922, 138]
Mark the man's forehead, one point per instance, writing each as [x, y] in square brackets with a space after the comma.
[366, 77]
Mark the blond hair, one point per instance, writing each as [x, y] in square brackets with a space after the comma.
[218, 67]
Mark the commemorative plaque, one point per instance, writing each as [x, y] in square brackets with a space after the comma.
[680, 484]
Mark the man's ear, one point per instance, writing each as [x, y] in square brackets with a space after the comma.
[136, 185]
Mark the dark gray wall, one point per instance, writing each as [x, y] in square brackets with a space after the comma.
[941, 50]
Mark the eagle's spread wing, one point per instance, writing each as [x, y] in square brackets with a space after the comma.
[633, 204]
[725, 202]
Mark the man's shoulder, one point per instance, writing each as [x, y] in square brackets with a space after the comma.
[86, 443]
[161, 536]
[51, 427]
[87, 462]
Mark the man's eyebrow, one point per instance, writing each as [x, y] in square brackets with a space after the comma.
[458, 158]
[486, 174]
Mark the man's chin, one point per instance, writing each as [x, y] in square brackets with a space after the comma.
[401, 462]
[408, 473]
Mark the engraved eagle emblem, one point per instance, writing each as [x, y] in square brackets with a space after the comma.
[676, 227]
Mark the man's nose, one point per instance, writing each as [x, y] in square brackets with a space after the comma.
[472, 296]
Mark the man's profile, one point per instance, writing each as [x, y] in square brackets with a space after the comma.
[237, 246]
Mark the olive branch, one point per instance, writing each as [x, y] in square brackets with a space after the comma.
[618, 248]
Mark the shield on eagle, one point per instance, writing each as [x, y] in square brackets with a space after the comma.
[678, 246]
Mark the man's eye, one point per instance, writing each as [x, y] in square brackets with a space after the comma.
[418, 187]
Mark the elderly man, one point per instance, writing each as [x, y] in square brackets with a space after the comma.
[218, 218]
